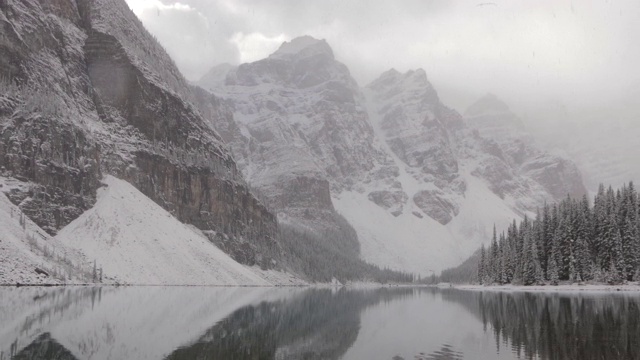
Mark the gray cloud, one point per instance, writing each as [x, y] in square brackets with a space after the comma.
[581, 52]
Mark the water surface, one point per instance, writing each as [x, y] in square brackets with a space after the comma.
[296, 323]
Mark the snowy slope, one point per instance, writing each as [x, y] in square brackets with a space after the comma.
[135, 241]
[25, 249]
[415, 242]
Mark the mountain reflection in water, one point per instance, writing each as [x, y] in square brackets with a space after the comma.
[294, 323]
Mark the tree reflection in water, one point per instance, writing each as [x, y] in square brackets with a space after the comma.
[399, 324]
[558, 325]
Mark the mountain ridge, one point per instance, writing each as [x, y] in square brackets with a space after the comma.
[420, 160]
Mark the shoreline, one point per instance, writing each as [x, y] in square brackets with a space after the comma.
[355, 285]
[632, 287]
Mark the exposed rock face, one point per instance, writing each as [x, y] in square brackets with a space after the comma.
[389, 200]
[558, 175]
[115, 104]
[412, 122]
[420, 132]
[434, 204]
[44, 85]
[297, 128]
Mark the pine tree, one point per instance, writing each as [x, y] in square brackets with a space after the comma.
[628, 219]
[507, 262]
[518, 244]
[494, 259]
[560, 247]
[552, 271]
[599, 220]
[502, 266]
[583, 269]
[532, 272]
[482, 265]
[547, 237]
[571, 241]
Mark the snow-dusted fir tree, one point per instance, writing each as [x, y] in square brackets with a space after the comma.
[552, 271]
[481, 265]
[583, 239]
[599, 218]
[495, 258]
[571, 241]
[531, 272]
[507, 259]
[629, 232]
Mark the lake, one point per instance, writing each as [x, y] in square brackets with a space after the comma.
[311, 323]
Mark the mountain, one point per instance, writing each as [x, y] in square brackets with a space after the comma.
[88, 92]
[421, 184]
[285, 163]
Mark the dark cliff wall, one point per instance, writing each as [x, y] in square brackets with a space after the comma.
[88, 92]
[43, 89]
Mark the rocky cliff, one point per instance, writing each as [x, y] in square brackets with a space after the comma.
[297, 127]
[87, 91]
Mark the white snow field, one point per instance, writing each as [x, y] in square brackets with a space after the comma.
[422, 245]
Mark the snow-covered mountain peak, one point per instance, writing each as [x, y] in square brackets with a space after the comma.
[215, 77]
[412, 86]
[303, 46]
[494, 120]
[302, 63]
[488, 104]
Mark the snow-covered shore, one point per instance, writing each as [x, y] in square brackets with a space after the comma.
[631, 287]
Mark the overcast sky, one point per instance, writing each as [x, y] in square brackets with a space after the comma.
[580, 52]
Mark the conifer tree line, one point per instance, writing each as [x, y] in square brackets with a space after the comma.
[570, 241]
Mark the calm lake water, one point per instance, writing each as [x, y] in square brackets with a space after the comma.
[296, 323]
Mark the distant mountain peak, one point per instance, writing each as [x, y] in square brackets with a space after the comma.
[419, 72]
[488, 104]
[390, 73]
[395, 74]
[393, 81]
[393, 77]
[306, 45]
[215, 77]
